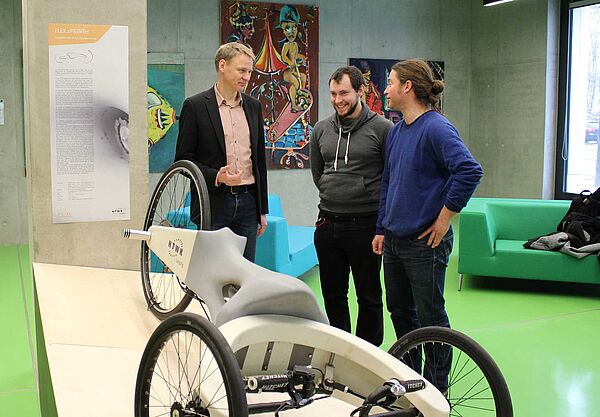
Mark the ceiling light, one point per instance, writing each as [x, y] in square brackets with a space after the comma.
[494, 2]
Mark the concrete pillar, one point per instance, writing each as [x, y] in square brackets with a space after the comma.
[96, 244]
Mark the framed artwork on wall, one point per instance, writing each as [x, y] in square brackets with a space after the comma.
[165, 95]
[285, 39]
[375, 74]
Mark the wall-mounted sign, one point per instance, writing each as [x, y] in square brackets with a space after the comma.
[89, 122]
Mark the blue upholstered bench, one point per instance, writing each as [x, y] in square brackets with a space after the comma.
[282, 248]
[181, 217]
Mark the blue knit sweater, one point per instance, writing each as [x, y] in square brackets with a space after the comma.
[427, 167]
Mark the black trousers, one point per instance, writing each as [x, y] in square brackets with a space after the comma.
[344, 244]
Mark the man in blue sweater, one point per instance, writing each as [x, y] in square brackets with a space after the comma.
[429, 176]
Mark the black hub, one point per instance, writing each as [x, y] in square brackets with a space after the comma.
[176, 410]
[192, 409]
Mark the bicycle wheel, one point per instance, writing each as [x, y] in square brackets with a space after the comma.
[179, 200]
[459, 367]
[188, 369]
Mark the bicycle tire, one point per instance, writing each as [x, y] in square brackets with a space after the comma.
[174, 374]
[165, 294]
[458, 388]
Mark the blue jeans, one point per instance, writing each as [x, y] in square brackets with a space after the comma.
[239, 213]
[414, 287]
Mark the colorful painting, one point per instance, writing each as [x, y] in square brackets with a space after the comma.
[166, 85]
[285, 39]
[375, 73]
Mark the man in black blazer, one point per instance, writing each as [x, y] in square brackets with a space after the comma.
[221, 130]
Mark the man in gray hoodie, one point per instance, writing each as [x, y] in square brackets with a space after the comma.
[347, 156]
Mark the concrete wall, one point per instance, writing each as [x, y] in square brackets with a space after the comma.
[434, 29]
[509, 73]
[13, 185]
[500, 82]
[98, 243]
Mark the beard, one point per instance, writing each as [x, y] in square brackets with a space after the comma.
[350, 110]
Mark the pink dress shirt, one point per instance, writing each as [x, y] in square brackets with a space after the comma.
[237, 137]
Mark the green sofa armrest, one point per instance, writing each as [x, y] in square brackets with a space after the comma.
[477, 230]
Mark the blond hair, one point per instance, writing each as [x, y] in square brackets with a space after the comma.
[230, 50]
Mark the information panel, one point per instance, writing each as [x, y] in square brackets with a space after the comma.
[89, 122]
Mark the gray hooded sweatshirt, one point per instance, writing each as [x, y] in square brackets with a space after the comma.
[346, 159]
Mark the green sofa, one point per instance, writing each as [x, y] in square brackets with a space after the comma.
[492, 233]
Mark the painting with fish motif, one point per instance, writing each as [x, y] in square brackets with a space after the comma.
[165, 95]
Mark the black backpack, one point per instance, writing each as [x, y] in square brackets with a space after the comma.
[586, 206]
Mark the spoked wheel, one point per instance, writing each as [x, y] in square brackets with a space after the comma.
[188, 369]
[179, 200]
[460, 368]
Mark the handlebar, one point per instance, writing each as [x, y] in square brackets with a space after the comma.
[413, 385]
[136, 234]
[387, 395]
[394, 388]
[268, 382]
[300, 375]
[384, 395]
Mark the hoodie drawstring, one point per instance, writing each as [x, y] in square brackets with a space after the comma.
[337, 150]
[347, 147]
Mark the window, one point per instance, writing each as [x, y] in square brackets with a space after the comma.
[578, 153]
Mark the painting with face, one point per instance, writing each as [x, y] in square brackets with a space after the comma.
[375, 74]
[285, 39]
[165, 95]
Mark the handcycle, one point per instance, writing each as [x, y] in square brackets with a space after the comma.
[269, 340]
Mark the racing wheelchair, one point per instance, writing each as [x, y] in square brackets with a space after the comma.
[267, 347]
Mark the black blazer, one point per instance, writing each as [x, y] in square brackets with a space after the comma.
[201, 140]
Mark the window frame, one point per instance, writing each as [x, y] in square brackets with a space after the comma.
[564, 70]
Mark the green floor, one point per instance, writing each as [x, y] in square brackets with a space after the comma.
[542, 335]
[18, 388]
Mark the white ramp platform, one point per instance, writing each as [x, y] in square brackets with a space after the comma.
[96, 326]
